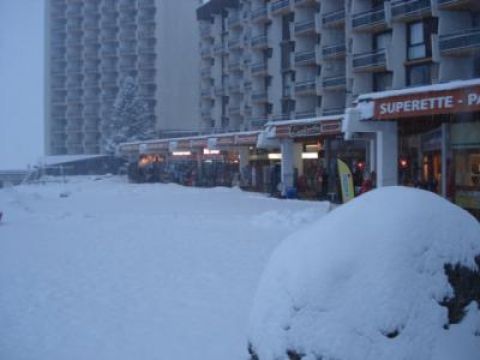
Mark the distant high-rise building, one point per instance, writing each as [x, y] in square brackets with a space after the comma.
[91, 45]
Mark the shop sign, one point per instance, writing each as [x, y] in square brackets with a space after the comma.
[250, 139]
[428, 103]
[225, 140]
[183, 144]
[158, 146]
[199, 143]
[320, 128]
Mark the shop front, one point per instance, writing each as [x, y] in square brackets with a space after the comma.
[437, 144]
[309, 153]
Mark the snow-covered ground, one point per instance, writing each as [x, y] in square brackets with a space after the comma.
[122, 271]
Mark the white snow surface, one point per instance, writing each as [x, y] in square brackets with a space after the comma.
[111, 270]
[335, 288]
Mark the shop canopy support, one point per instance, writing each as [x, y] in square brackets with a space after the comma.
[386, 140]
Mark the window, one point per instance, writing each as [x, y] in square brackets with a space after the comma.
[419, 74]
[419, 38]
[382, 81]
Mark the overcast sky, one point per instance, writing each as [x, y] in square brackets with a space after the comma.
[21, 88]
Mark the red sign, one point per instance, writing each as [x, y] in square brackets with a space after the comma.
[225, 140]
[202, 143]
[428, 103]
[250, 139]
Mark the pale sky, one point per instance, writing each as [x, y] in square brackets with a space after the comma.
[21, 76]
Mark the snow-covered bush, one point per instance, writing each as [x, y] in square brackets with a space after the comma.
[391, 275]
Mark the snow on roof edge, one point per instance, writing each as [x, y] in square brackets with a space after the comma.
[419, 89]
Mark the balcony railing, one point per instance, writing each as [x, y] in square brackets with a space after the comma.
[259, 41]
[260, 96]
[460, 4]
[305, 26]
[259, 14]
[402, 8]
[235, 65]
[332, 51]
[336, 81]
[460, 41]
[206, 93]
[307, 114]
[306, 86]
[279, 5]
[234, 20]
[334, 18]
[370, 60]
[368, 18]
[259, 68]
[333, 111]
[305, 57]
[234, 43]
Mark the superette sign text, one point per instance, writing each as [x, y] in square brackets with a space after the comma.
[431, 103]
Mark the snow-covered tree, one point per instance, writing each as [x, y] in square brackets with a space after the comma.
[131, 119]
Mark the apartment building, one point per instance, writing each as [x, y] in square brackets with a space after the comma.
[291, 59]
[92, 45]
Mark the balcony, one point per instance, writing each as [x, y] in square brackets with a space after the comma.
[234, 66]
[259, 15]
[235, 88]
[458, 4]
[206, 73]
[205, 30]
[234, 20]
[334, 18]
[146, 18]
[461, 42]
[370, 61]
[206, 93]
[308, 87]
[410, 9]
[334, 51]
[259, 68]
[259, 42]
[305, 114]
[219, 91]
[234, 110]
[258, 123]
[280, 6]
[371, 20]
[260, 97]
[305, 27]
[305, 58]
[333, 111]
[146, 4]
[234, 44]
[219, 49]
[334, 82]
[206, 52]
[311, 3]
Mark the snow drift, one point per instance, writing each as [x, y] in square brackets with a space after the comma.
[378, 278]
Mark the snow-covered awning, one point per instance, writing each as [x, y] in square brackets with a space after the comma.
[445, 98]
[65, 159]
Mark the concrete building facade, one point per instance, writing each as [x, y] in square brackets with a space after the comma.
[291, 59]
[91, 45]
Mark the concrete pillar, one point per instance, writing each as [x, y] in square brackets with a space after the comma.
[372, 159]
[387, 155]
[297, 157]
[287, 165]
[444, 154]
[244, 156]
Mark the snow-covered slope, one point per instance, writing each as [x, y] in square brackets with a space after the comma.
[366, 282]
[120, 271]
